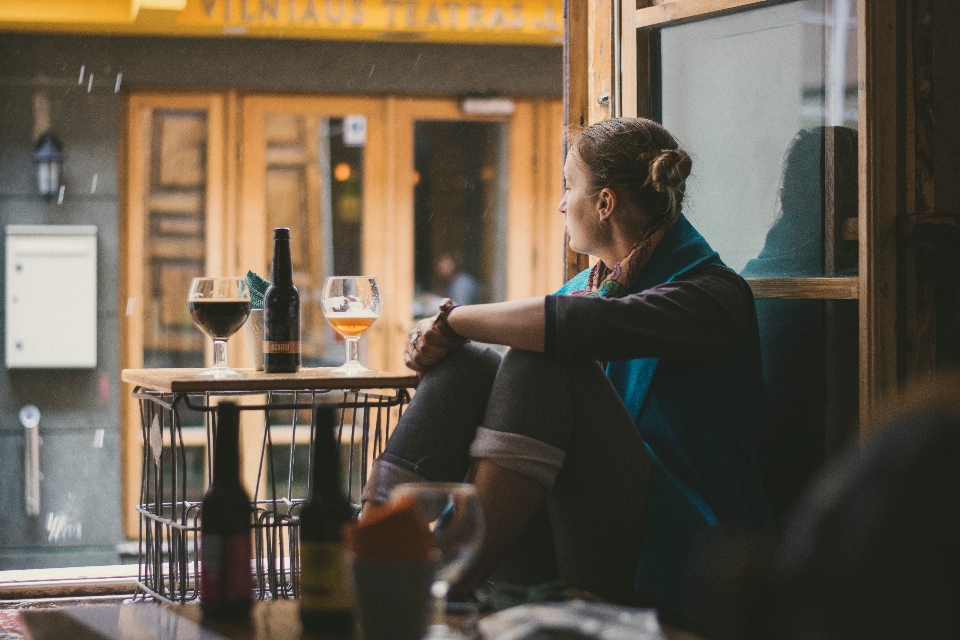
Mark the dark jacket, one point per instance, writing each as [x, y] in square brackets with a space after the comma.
[702, 420]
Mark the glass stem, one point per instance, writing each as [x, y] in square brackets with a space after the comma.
[219, 353]
[353, 349]
[439, 591]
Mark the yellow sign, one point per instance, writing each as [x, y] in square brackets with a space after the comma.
[449, 20]
[477, 21]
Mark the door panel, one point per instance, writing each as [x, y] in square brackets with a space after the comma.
[298, 172]
[172, 231]
[517, 252]
[175, 224]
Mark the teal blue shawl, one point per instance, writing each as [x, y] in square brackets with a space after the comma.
[702, 421]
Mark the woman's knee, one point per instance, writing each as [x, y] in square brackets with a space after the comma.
[537, 391]
[533, 366]
[467, 362]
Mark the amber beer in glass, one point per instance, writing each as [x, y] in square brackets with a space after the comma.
[351, 304]
[350, 327]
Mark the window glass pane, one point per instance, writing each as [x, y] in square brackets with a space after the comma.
[289, 473]
[174, 194]
[314, 180]
[188, 472]
[346, 199]
[809, 351]
[459, 213]
[290, 470]
[765, 102]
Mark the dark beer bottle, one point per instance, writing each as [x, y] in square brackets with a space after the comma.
[325, 602]
[225, 541]
[281, 312]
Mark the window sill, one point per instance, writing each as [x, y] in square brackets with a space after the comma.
[69, 582]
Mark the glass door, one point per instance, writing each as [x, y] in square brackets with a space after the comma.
[475, 205]
[765, 101]
[314, 165]
[460, 213]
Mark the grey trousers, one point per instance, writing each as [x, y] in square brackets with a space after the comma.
[558, 422]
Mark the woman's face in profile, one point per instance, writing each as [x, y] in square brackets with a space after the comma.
[578, 206]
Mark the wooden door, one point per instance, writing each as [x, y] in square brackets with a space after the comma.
[316, 165]
[173, 228]
[517, 240]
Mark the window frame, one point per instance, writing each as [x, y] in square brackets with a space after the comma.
[632, 73]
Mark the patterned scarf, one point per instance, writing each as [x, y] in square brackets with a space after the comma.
[615, 283]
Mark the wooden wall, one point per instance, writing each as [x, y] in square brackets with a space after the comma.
[929, 227]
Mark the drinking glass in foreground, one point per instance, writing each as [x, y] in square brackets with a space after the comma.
[456, 522]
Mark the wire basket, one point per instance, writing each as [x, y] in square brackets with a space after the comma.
[170, 495]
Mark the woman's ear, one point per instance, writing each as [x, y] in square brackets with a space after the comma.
[606, 203]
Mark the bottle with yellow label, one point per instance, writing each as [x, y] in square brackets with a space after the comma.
[325, 603]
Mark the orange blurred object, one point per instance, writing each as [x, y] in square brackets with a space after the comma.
[397, 530]
[341, 173]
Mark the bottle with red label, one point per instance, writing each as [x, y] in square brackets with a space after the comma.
[226, 587]
[326, 605]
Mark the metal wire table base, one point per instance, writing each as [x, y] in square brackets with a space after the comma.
[169, 523]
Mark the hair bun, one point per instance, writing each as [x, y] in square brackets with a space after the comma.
[669, 169]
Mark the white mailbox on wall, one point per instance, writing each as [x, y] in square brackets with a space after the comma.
[51, 297]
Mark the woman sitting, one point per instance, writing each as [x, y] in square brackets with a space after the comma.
[623, 423]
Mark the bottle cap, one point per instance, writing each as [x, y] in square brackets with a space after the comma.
[281, 233]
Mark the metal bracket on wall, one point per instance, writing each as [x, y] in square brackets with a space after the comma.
[30, 419]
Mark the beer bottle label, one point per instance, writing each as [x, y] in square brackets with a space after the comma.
[280, 327]
[323, 584]
[225, 568]
[276, 346]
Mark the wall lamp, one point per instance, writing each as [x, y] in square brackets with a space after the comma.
[48, 157]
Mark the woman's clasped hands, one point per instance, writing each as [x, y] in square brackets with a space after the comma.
[431, 340]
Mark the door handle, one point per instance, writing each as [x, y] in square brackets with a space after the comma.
[30, 419]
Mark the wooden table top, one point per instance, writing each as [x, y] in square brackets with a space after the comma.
[307, 379]
[276, 620]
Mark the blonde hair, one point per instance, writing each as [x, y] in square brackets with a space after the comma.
[638, 155]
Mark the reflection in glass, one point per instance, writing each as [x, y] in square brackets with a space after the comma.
[750, 95]
[818, 195]
[314, 185]
[810, 360]
[765, 102]
[459, 213]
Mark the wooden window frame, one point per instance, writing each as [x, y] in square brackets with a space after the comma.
[880, 181]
